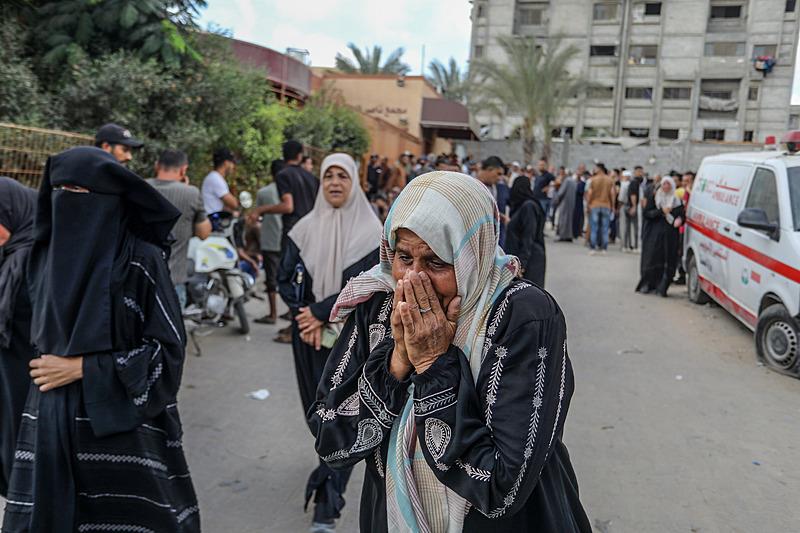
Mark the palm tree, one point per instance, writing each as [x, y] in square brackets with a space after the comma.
[533, 85]
[369, 62]
[449, 80]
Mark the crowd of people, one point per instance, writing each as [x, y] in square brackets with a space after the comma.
[410, 288]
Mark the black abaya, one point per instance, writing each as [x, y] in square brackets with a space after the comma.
[502, 451]
[525, 239]
[17, 206]
[325, 486]
[103, 453]
[660, 241]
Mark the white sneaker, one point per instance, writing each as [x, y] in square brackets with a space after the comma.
[593, 252]
[603, 252]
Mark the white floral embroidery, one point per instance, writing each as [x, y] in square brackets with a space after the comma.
[501, 309]
[560, 393]
[114, 528]
[369, 435]
[383, 316]
[24, 455]
[326, 414]
[474, 473]
[151, 380]
[336, 379]
[374, 402]
[437, 437]
[349, 407]
[435, 402]
[533, 428]
[494, 383]
[131, 304]
[130, 459]
[377, 332]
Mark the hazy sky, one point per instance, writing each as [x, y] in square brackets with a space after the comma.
[324, 27]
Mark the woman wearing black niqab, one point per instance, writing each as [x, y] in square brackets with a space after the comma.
[17, 206]
[99, 447]
[525, 232]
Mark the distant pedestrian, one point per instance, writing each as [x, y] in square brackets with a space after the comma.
[216, 193]
[270, 241]
[171, 170]
[630, 211]
[333, 243]
[665, 215]
[117, 141]
[565, 208]
[100, 443]
[297, 190]
[543, 184]
[525, 234]
[17, 207]
[600, 198]
[580, 210]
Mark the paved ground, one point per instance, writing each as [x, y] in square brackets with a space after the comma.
[673, 426]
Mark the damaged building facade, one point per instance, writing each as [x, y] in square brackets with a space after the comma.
[698, 70]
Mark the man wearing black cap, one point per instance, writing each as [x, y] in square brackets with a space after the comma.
[117, 141]
[216, 193]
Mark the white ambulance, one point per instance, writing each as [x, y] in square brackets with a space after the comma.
[742, 247]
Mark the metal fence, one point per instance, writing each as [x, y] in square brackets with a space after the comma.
[24, 150]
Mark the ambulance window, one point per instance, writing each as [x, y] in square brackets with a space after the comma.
[794, 195]
[764, 194]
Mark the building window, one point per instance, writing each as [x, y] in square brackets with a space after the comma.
[671, 134]
[794, 122]
[478, 53]
[752, 94]
[602, 51]
[748, 136]
[639, 93]
[719, 99]
[600, 93]
[791, 5]
[530, 14]
[713, 135]
[764, 50]
[677, 93]
[643, 55]
[481, 10]
[726, 12]
[652, 9]
[724, 49]
[637, 133]
[605, 11]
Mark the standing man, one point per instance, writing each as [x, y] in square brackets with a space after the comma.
[270, 240]
[542, 184]
[600, 198]
[297, 190]
[216, 193]
[117, 141]
[170, 181]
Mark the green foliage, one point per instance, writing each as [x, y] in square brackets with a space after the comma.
[152, 28]
[196, 106]
[449, 80]
[533, 85]
[369, 62]
[330, 127]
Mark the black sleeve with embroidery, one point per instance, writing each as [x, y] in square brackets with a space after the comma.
[489, 442]
[358, 399]
[124, 389]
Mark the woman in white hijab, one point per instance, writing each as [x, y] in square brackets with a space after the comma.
[334, 242]
[664, 212]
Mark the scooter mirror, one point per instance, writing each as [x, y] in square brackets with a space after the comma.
[246, 199]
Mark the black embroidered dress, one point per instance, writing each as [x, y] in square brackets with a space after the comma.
[496, 443]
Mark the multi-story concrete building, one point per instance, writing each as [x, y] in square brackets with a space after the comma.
[675, 69]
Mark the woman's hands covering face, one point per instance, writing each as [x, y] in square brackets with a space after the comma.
[422, 329]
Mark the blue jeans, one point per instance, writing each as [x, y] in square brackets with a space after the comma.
[600, 220]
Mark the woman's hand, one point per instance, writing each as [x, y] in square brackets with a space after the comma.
[312, 337]
[51, 371]
[399, 366]
[306, 321]
[427, 334]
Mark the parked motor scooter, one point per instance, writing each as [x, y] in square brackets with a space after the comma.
[217, 288]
